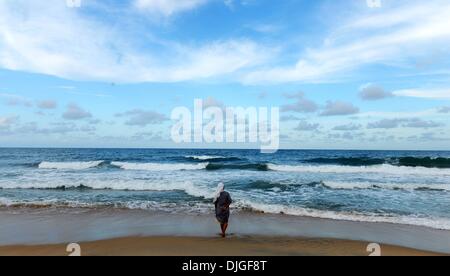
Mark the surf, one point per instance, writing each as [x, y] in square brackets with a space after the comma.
[69, 165]
[158, 166]
[379, 169]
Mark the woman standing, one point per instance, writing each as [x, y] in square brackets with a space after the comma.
[222, 202]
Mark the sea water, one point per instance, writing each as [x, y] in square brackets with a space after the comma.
[402, 187]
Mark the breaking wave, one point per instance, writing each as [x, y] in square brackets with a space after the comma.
[211, 158]
[382, 169]
[426, 162]
[69, 165]
[158, 166]
[389, 186]
[440, 223]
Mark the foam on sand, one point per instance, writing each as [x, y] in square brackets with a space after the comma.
[438, 223]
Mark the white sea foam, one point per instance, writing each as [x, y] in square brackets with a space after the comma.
[6, 201]
[436, 223]
[159, 166]
[381, 169]
[117, 184]
[191, 208]
[204, 157]
[69, 165]
[390, 186]
[181, 207]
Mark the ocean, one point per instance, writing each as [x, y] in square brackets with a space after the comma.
[400, 187]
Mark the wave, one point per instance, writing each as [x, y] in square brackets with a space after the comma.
[210, 158]
[240, 206]
[405, 165]
[435, 223]
[426, 162]
[353, 161]
[42, 204]
[121, 165]
[69, 165]
[5, 202]
[159, 166]
[194, 190]
[169, 207]
[380, 169]
[276, 186]
[389, 186]
[255, 167]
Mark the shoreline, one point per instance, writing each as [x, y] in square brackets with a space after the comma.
[47, 228]
[231, 246]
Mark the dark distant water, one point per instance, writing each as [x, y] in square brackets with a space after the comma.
[386, 186]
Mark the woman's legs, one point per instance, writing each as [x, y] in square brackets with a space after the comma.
[224, 227]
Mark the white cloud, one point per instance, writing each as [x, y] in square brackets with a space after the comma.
[302, 105]
[143, 118]
[373, 92]
[385, 124]
[47, 104]
[16, 100]
[424, 93]
[215, 59]
[419, 123]
[46, 37]
[389, 37]
[74, 112]
[339, 108]
[403, 122]
[347, 127]
[168, 7]
[305, 126]
[7, 122]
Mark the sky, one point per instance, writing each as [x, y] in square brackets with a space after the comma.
[346, 74]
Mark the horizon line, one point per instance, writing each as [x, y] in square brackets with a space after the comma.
[255, 149]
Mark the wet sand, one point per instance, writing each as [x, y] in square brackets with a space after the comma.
[233, 246]
[136, 232]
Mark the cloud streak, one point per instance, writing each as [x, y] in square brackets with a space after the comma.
[48, 38]
[168, 7]
[424, 93]
[404, 122]
[389, 37]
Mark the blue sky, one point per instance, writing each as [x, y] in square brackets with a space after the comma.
[345, 74]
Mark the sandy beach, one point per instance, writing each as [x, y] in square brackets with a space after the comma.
[189, 246]
[44, 231]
